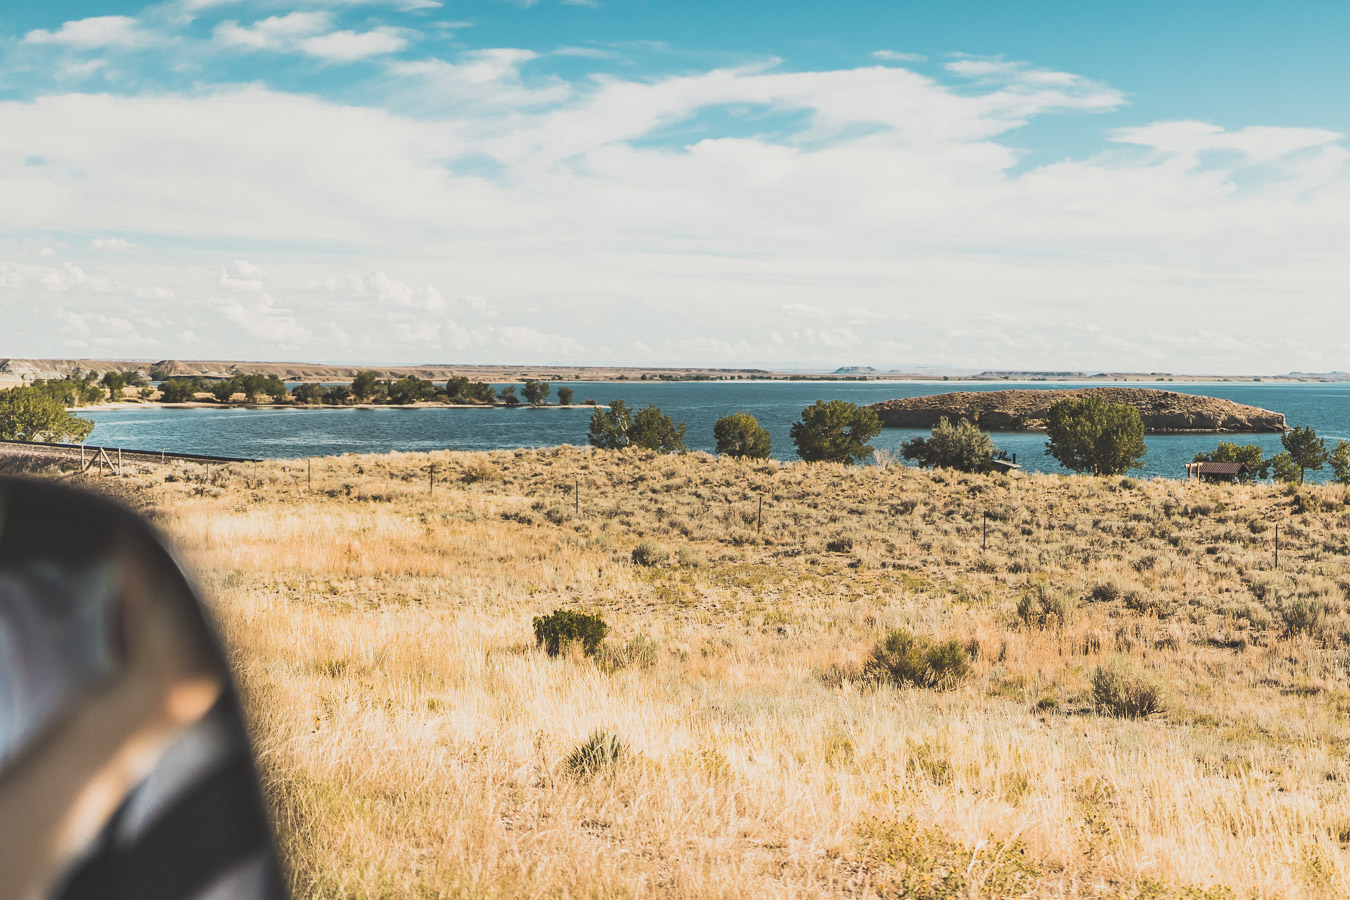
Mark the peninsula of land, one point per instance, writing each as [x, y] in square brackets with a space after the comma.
[1163, 412]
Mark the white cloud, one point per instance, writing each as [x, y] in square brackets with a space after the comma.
[241, 276]
[98, 32]
[898, 56]
[532, 343]
[262, 319]
[881, 226]
[349, 46]
[274, 32]
[115, 244]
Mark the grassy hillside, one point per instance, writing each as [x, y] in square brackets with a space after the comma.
[417, 743]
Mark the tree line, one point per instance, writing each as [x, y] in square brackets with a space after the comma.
[828, 431]
[1085, 435]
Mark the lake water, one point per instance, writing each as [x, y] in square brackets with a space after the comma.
[291, 433]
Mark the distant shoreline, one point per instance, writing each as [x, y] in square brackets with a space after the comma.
[14, 371]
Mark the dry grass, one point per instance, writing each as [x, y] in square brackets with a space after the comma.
[416, 742]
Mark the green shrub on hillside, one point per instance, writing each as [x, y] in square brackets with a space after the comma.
[565, 626]
[1119, 690]
[602, 750]
[650, 553]
[902, 658]
[1044, 606]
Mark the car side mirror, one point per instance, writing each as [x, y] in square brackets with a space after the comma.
[125, 769]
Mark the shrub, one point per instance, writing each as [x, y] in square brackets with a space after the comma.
[565, 626]
[601, 750]
[902, 658]
[639, 653]
[1106, 591]
[1118, 690]
[962, 446]
[481, 470]
[906, 859]
[1042, 605]
[1303, 616]
[650, 553]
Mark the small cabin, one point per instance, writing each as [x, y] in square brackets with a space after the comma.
[1215, 471]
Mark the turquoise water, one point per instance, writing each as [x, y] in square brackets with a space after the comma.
[290, 433]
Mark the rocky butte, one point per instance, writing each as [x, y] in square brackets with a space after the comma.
[1163, 412]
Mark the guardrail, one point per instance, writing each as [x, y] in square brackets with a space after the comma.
[96, 452]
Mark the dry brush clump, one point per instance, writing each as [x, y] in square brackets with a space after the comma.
[415, 737]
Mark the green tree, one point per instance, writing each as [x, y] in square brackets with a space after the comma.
[654, 430]
[1306, 450]
[308, 393]
[1087, 434]
[363, 385]
[178, 390]
[961, 446]
[610, 427]
[564, 396]
[536, 392]
[114, 382]
[740, 435]
[29, 414]
[1284, 469]
[1249, 455]
[410, 389]
[508, 396]
[835, 431]
[225, 389]
[1340, 462]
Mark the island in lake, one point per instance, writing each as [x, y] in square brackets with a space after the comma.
[1163, 412]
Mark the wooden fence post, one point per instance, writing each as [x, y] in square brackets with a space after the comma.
[759, 525]
[576, 498]
[984, 532]
[309, 474]
[1277, 545]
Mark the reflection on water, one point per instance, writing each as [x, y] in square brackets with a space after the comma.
[289, 433]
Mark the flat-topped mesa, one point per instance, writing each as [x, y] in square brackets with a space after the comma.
[1163, 412]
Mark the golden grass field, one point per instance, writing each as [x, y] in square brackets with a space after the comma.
[414, 739]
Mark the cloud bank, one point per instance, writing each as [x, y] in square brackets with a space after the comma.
[484, 205]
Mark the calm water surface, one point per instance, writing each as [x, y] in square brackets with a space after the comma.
[290, 433]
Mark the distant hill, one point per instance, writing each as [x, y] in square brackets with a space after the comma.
[1163, 412]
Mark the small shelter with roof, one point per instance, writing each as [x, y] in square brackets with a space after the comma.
[1215, 471]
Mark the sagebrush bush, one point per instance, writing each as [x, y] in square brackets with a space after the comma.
[1042, 605]
[906, 859]
[650, 553]
[1119, 690]
[565, 626]
[480, 471]
[639, 653]
[902, 658]
[602, 750]
[1303, 616]
[1106, 591]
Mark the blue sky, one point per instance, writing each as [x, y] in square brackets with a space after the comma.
[1055, 185]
